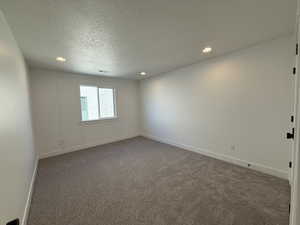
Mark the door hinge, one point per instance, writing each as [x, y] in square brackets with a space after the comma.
[294, 70]
[290, 164]
[289, 208]
[292, 118]
[297, 49]
[290, 135]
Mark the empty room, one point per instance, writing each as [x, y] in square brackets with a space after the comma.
[161, 112]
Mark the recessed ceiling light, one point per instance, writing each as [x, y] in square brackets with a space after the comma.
[102, 71]
[60, 59]
[143, 73]
[207, 49]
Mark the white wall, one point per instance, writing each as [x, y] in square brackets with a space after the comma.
[17, 157]
[56, 112]
[243, 99]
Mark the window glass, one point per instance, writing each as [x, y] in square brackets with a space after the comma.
[89, 103]
[107, 102]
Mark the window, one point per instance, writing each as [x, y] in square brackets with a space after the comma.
[97, 103]
[106, 98]
[89, 103]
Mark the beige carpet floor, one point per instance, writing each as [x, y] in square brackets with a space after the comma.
[142, 182]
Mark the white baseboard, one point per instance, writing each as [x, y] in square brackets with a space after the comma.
[230, 159]
[83, 146]
[29, 197]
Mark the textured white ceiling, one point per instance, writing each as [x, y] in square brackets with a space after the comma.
[124, 37]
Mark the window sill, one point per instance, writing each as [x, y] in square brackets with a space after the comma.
[86, 122]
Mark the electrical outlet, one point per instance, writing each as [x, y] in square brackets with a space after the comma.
[232, 147]
[61, 143]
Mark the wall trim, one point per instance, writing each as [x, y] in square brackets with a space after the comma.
[230, 159]
[75, 148]
[30, 192]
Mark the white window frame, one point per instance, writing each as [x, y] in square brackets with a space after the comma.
[99, 112]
